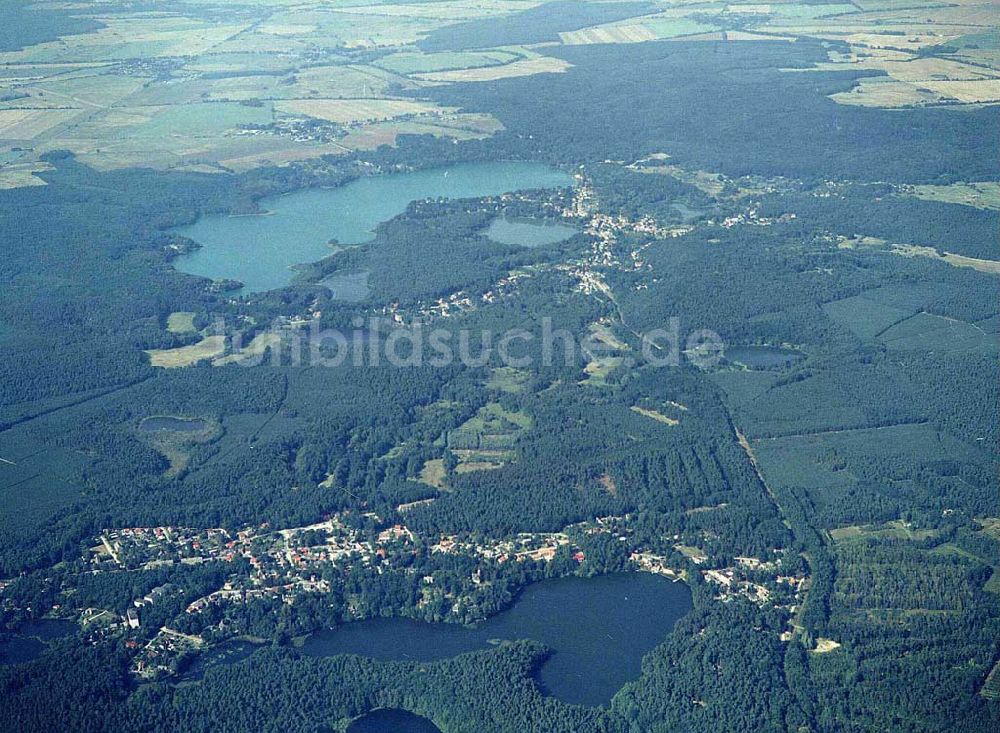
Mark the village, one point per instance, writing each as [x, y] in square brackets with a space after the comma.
[288, 565]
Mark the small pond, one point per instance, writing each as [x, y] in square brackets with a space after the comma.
[528, 233]
[30, 638]
[391, 720]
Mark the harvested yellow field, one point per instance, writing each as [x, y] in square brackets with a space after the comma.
[636, 33]
[984, 14]
[654, 415]
[933, 69]
[884, 92]
[21, 175]
[27, 124]
[991, 267]
[354, 111]
[208, 348]
[528, 67]
[986, 90]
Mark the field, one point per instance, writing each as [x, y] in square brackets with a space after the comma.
[412, 63]
[487, 439]
[180, 322]
[528, 67]
[896, 528]
[433, 473]
[654, 415]
[354, 111]
[631, 32]
[984, 195]
[19, 175]
[597, 370]
[508, 379]
[165, 89]
[208, 348]
[991, 687]
[252, 352]
[910, 250]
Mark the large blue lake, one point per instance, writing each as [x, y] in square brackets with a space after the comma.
[598, 628]
[297, 228]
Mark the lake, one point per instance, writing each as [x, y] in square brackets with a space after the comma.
[351, 287]
[391, 720]
[599, 629]
[229, 652]
[165, 424]
[763, 357]
[298, 227]
[29, 639]
[528, 233]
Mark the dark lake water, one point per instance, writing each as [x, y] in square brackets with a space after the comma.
[528, 233]
[599, 629]
[259, 250]
[29, 639]
[172, 425]
[389, 720]
[763, 357]
[225, 654]
[351, 287]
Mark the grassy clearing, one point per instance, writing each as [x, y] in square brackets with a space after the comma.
[434, 474]
[252, 351]
[991, 526]
[984, 195]
[895, 529]
[991, 687]
[711, 184]
[487, 439]
[208, 348]
[654, 415]
[508, 379]
[991, 267]
[181, 322]
[603, 334]
[824, 646]
[597, 371]
[692, 553]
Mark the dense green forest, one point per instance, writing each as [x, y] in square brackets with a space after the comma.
[719, 115]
